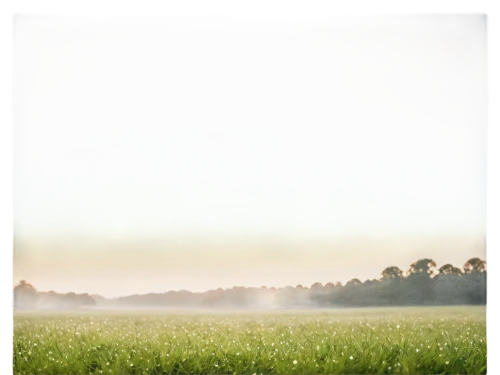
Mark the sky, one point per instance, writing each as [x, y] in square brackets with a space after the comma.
[153, 154]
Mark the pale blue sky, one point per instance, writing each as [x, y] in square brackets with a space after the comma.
[209, 128]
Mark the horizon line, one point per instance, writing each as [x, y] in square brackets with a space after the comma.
[404, 275]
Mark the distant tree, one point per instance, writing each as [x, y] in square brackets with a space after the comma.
[316, 286]
[338, 284]
[48, 299]
[329, 285]
[390, 286]
[85, 300]
[25, 295]
[475, 267]
[98, 299]
[474, 281]
[450, 270]
[353, 282]
[391, 273]
[418, 286]
[422, 267]
[448, 283]
[369, 293]
[236, 297]
[70, 299]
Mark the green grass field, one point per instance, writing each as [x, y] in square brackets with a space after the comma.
[423, 340]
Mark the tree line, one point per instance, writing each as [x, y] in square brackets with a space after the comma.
[422, 284]
[25, 296]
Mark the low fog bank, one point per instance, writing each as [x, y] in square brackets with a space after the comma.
[422, 284]
[254, 313]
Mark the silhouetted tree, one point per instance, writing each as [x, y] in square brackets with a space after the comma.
[448, 283]
[475, 267]
[390, 288]
[391, 273]
[473, 282]
[353, 282]
[422, 266]
[25, 295]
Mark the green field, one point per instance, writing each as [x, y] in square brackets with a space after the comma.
[423, 340]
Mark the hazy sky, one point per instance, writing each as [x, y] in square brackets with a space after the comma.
[154, 154]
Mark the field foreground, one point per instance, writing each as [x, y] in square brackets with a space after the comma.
[409, 340]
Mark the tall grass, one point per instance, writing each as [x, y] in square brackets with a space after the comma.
[432, 340]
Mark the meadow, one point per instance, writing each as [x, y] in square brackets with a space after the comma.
[396, 340]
